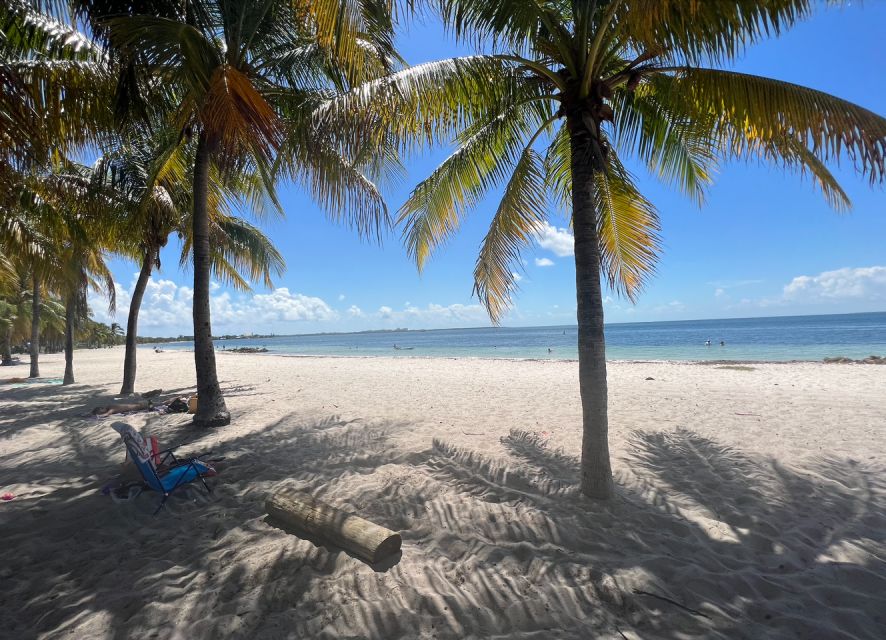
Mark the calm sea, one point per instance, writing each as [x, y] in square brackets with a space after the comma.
[786, 338]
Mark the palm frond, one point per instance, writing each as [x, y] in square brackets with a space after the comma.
[748, 112]
[628, 229]
[487, 150]
[516, 221]
[676, 148]
[707, 30]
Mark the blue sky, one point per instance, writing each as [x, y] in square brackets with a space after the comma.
[765, 242]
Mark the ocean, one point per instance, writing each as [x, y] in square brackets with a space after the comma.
[856, 336]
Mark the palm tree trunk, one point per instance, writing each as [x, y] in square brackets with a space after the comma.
[35, 328]
[70, 311]
[211, 409]
[596, 472]
[7, 347]
[129, 361]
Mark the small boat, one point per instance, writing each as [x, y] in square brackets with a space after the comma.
[399, 348]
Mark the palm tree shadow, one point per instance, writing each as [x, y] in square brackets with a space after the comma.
[490, 546]
[727, 543]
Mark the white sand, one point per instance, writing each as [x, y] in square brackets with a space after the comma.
[756, 498]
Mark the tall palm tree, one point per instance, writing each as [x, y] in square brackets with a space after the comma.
[155, 195]
[571, 88]
[242, 79]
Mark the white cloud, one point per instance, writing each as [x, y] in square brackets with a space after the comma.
[861, 283]
[355, 312]
[720, 292]
[341, 297]
[556, 240]
[166, 309]
[516, 276]
[385, 312]
[544, 262]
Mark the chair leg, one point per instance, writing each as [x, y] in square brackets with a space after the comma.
[208, 489]
[162, 504]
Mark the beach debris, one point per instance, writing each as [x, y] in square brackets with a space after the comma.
[153, 393]
[178, 405]
[192, 404]
[650, 378]
[364, 539]
[872, 359]
[247, 350]
[6, 497]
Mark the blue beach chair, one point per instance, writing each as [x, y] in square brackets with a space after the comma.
[157, 474]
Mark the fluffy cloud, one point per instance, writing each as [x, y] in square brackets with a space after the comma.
[544, 262]
[516, 276]
[355, 312]
[166, 309]
[556, 240]
[861, 283]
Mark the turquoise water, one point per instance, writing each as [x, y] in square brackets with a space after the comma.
[778, 339]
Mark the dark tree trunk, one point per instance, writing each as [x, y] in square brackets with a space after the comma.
[596, 472]
[6, 349]
[70, 312]
[35, 328]
[129, 361]
[211, 409]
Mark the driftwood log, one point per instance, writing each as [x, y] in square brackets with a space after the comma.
[327, 523]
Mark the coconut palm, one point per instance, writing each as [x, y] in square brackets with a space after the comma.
[57, 89]
[572, 88]
[155, 193]
[241, 80]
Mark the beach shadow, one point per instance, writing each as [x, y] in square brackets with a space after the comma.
[701, 540]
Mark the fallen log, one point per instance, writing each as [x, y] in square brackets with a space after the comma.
[365, 539]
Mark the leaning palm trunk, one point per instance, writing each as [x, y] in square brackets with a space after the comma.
[70, 313]
[211, 409]
[35, 329]
[129, 361]
[596, 473]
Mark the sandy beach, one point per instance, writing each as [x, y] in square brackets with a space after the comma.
[751, 503]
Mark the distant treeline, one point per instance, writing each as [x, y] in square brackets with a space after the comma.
[149, 340]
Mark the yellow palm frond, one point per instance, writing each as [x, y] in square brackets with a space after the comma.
[628, 229]
[750, 112]
[516, 222]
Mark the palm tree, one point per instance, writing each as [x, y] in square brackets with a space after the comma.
[155, 193]
[593, 82]
[242, 80]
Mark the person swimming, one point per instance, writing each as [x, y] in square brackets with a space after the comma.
[707, 343]
[722, 343]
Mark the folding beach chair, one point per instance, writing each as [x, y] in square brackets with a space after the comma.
[155, 471]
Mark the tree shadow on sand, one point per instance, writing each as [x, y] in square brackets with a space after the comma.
[720, 543]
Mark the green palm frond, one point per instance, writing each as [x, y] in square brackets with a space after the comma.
[241, 247]
[677, 149]
[520, 213]
[486, 153]
[706, 30]
[424, 104]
